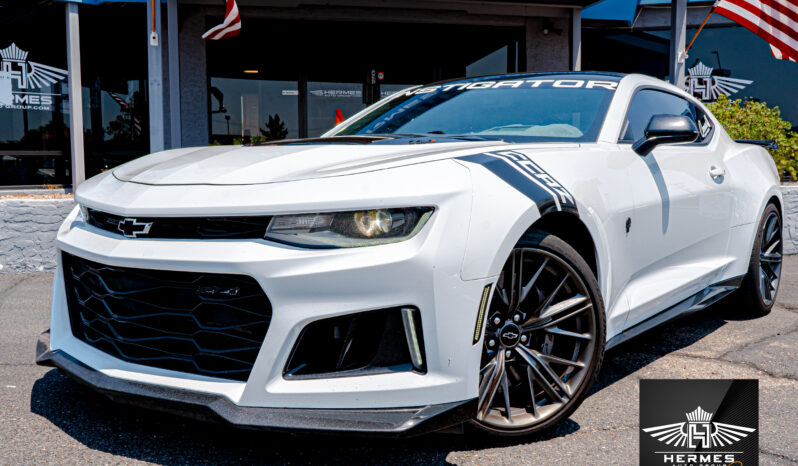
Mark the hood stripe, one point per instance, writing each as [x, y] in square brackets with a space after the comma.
[523, 174]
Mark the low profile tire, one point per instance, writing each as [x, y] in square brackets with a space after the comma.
[544, 339]
[761, 283]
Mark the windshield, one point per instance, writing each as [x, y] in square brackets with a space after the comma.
[514, 110]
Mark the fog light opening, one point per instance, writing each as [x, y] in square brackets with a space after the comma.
[362, 343]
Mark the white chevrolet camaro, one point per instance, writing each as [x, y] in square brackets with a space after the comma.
[461, 252]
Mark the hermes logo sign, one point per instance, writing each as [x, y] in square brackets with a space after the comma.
[21, 81]
[701, 83]
[699, 432]
[725, 433]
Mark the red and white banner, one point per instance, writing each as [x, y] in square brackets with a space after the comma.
[231, 25]
[776, 21]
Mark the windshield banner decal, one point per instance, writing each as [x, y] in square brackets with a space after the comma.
[519, 84]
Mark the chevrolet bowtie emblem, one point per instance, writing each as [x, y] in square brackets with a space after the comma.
[131, 227]
[510, 335]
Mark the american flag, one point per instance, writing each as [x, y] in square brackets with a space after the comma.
[231, 25]
[776, 21]
[135, 123]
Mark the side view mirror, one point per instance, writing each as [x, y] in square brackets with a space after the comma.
[666, 129]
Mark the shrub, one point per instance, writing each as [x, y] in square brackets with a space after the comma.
[747, 119]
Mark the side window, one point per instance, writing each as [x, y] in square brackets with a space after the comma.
[649, 102]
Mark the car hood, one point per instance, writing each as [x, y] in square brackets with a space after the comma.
[243, 165]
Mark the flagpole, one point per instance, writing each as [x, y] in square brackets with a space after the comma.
[699, 30]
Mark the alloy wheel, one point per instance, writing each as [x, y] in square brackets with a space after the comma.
[539, 341]
[770, 257]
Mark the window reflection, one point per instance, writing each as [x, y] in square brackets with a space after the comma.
[115, 123]
[245, 110]
[34, 132]
[326, 100]
[32, 142]
[492, 63]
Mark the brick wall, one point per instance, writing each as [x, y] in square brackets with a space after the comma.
[27, 233]
[790, 211]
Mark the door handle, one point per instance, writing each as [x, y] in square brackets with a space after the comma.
[716, 172]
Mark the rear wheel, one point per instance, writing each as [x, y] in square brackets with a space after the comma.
[761, 283]
[544, 338]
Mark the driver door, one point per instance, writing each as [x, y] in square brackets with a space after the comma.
[683, 205]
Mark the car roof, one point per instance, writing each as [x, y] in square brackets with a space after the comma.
[603, 75]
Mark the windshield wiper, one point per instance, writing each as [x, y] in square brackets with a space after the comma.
[349, 139]
[468, 137]
[443, 136]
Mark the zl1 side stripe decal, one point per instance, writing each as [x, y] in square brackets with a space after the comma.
[523, 174]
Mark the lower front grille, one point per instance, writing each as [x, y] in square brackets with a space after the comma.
[201, 323]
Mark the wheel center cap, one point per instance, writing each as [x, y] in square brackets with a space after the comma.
[510, 335]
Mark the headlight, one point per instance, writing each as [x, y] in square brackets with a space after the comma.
[348, 229]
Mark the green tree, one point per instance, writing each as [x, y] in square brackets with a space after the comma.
[275, 129]
[747, 119]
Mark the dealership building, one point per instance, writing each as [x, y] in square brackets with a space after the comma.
[88, 85]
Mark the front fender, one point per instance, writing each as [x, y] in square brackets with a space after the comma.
[502, 212]
[499, 217]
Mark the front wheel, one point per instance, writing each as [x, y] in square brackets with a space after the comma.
[544, 338]
[761, 283]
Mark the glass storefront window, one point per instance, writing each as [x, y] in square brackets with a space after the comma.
[34, 133]
[326, 99]
[492, 63]
[259, 75]
[34, 111]
[115, 122]
[114, 85]
[34, 141]
[246, 109]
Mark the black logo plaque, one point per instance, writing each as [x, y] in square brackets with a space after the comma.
[699, 422]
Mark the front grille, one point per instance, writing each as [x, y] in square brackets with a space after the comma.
[252, 227]
[202, 323]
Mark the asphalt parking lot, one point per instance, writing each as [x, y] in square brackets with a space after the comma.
[47, 418]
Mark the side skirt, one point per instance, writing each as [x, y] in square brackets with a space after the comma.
[704, 298]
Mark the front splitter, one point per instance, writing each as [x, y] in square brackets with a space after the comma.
[215, 408]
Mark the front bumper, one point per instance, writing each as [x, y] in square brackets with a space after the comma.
[216, 408]
[303, 286]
